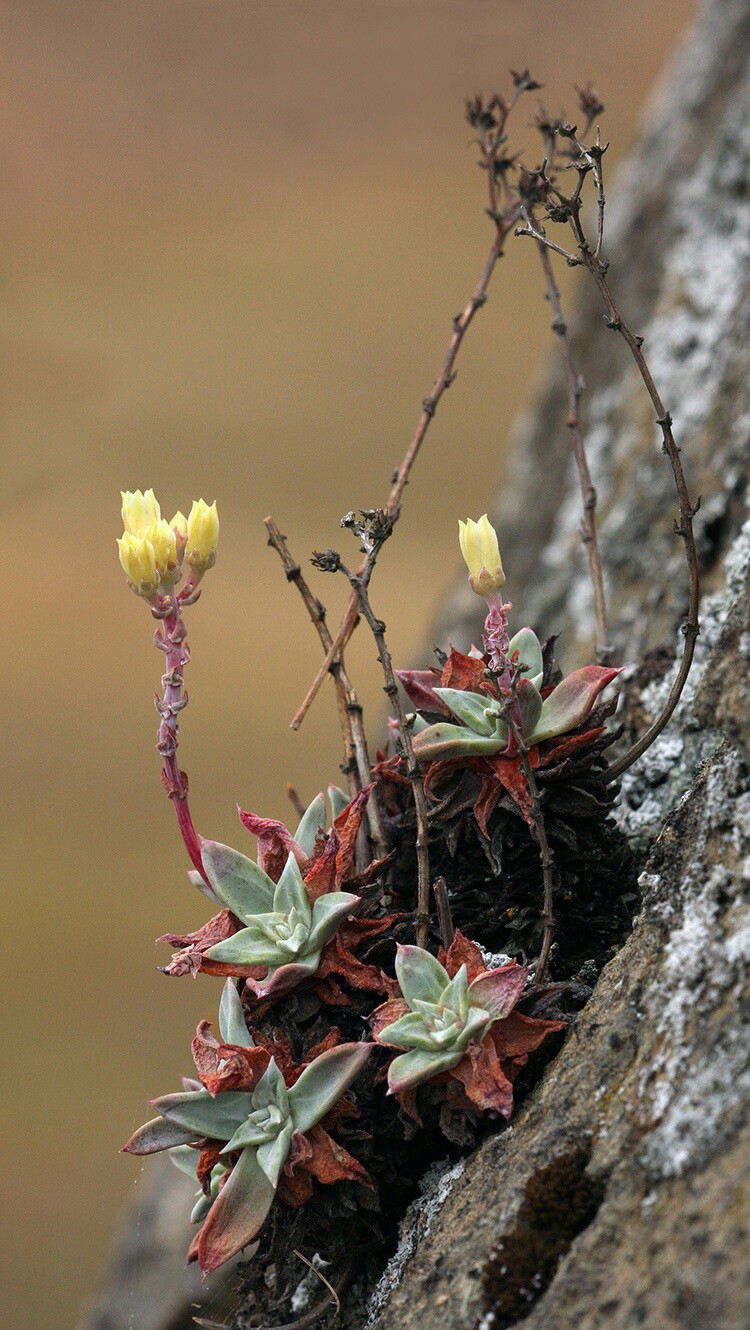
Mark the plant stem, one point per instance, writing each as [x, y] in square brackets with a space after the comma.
[503, 225]
[545, 850]
[357, 766]
[359, 582]
[588, 493]
[684, 528]
[171, 639]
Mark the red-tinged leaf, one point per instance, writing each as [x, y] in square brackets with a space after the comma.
[558, 750]
[347, 826]
[509, 772]
[419, 686]
[337, 959]
[363, 879]
[442, 770]
[486, 803]
[462, 951]
[189, 960]
[408, 1102]
[355, 930]
[386, 1014]
[275, 843]
[484, 1081]
[226, 1066]
[321, 878]
[466, 672]
[518, 1036]
[193, 1249]
[237, 1215]
[329, 1162]
[571, 701]
[278, 1046]
[209, 1156]
[330, 993]
[498, 990]
[329, 1040]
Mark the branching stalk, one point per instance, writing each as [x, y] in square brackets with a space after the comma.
[588, 493]
[357, 767]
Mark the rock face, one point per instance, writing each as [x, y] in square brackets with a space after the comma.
[621, 1195]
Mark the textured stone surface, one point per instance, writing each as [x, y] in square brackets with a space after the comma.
[621, 1196]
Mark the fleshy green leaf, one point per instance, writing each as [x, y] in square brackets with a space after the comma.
[285, 977]
[442, 741]
[477, 1021]
[159, 1134]
[290, 892]
[271, 1089]
[186, 1159]
[474, 709]
[337, 799]
[313, 821]
[408, 1031]
[204, 1115]
[327, 913]
[273, 1154]
[250, 946]
[409, 1069]
[199, 882]
[420, 975]
[238, 882]
[529, 704]
[237, 1214]
[456, 995]
[526, 643]
[232, 1026]
[323, 1083]
[570, 703]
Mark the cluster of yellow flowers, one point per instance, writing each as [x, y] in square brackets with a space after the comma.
[478, 541]
[152, 550]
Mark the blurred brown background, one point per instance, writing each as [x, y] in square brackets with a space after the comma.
[233, 235]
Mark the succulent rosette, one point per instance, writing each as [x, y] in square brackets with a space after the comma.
[285, 918]
[239, 1143]
[455, 1021]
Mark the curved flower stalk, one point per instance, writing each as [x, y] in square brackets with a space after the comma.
[285, 918]
[455, 1021]
[164, 563]
[238, 1144]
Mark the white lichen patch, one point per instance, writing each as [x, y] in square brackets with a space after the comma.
[435, 1188]
[695, 1082]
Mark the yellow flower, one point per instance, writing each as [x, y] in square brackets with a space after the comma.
[164, 541]
[202, 535]
[139, 562]
[139, 512]
[478, 541]
[179, 526]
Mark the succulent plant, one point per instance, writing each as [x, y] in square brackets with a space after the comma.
[241, 1140]
[450, 1020]
[445, 1015]
[283, 931]
[474, 726]
[285, 919]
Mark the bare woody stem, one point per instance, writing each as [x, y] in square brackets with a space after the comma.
[359, 582]
[588, 493]
[503, 225]
[357, 767]
[683, 528]
[545, 851]
[170, 638]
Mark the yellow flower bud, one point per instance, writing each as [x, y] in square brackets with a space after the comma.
[139, 563]
[478, 541]
[164, 542]
[179, 526]
[139, 512]
[202, 535]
